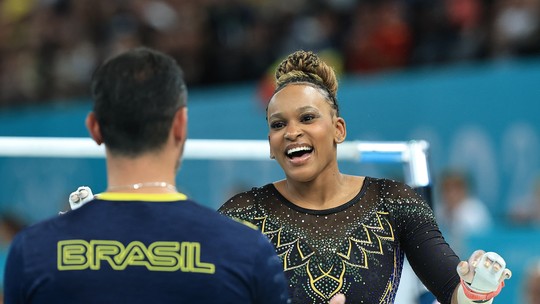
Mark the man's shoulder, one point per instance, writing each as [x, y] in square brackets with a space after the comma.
[35, 232]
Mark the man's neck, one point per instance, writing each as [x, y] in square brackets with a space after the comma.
[145, 174]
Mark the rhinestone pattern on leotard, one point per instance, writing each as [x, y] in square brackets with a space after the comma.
[353, 249]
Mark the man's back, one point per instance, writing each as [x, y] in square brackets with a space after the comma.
[143, 248]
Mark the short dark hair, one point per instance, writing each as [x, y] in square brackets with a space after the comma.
[136, 95]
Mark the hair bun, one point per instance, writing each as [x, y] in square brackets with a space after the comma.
[306, 66]
[304, 61]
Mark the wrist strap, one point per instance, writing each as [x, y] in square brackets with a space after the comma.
[480, 296]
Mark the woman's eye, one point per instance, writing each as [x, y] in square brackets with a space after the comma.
[307, 117]
[277, 125]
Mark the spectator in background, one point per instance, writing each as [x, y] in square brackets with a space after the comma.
[467, 19]
[526, 211]
[516, 28]
[380, 39]
[48, 47]
[532, 283]
[459, 213]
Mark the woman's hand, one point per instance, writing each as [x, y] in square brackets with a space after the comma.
[483, 275]
[338, 299]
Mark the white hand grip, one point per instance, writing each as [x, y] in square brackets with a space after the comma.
[80, 197]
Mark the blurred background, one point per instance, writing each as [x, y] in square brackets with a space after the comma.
[461, 74]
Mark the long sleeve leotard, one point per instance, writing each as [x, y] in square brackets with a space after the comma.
[357, 248]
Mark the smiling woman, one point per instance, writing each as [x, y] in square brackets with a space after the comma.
[340, 234]
[304, 138]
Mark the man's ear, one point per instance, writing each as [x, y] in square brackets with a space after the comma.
[341, 130]
[93, 128]
[180, 124]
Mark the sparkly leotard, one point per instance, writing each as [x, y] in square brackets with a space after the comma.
[357, 248]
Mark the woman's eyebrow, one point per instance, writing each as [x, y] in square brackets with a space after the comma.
[276, 115]
[299, 110]
[306, 108]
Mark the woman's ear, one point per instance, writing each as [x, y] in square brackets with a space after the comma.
[93, 128]
[272, 156]
[341, 130]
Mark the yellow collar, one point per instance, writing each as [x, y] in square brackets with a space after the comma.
[148, 197]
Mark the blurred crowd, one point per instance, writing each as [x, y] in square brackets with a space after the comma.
[49, 48]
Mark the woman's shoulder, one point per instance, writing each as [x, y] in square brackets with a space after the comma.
[246, 198]
[252, 193]
[390, 188]
[385, 182]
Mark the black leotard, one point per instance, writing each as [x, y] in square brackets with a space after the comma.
[357, 248]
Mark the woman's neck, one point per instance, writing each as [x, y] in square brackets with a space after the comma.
[321, 194]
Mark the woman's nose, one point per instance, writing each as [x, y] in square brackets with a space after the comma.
[292, 132]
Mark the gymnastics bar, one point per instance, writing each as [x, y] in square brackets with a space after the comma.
[412, 153]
